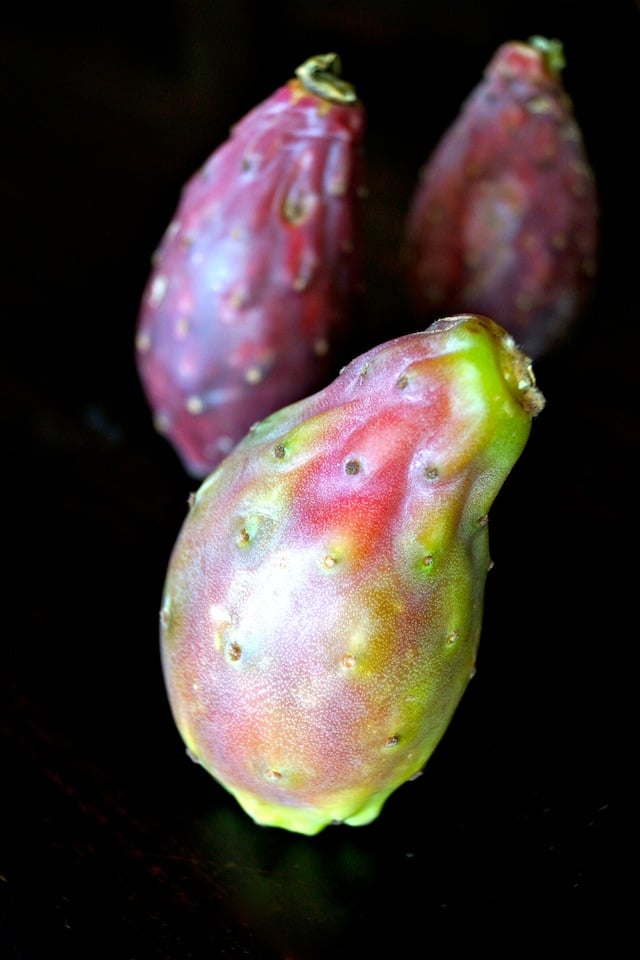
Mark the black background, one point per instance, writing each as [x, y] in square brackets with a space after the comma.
[523, 827]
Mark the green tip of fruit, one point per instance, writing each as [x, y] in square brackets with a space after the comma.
[515, 366]
[321, 75]
[351, 807]
[552, 50]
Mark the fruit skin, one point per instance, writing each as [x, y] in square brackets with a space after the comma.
[323, 601]
[256, 279]
[504, 218]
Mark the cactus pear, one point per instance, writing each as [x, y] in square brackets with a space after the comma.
[323, 601]
[253, 285]
[504, 218]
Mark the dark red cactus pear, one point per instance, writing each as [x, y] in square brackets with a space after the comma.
[253, 284]
[323, 602]
[504, 218]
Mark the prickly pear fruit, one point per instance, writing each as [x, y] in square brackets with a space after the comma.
[253, 285]
[323, 600]
[504, 218]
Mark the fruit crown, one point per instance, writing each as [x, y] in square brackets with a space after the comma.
[552, 51]
[321, 75]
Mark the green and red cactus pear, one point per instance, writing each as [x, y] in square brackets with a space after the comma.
[323, 601]
[254, 283]
[504, 218]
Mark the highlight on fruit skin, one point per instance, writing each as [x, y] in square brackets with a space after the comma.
[257, 280]
[504, 217]
[323, 601]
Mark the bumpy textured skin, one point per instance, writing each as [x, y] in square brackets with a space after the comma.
[504, 217]
[253, 284]
[323, 601]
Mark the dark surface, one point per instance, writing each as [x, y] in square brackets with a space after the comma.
[111, 843]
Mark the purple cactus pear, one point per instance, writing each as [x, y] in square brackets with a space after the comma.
[504, 218]
[323, 601]
[254, 283]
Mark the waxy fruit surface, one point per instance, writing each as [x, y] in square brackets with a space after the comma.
[255, 281]
[323, 601]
